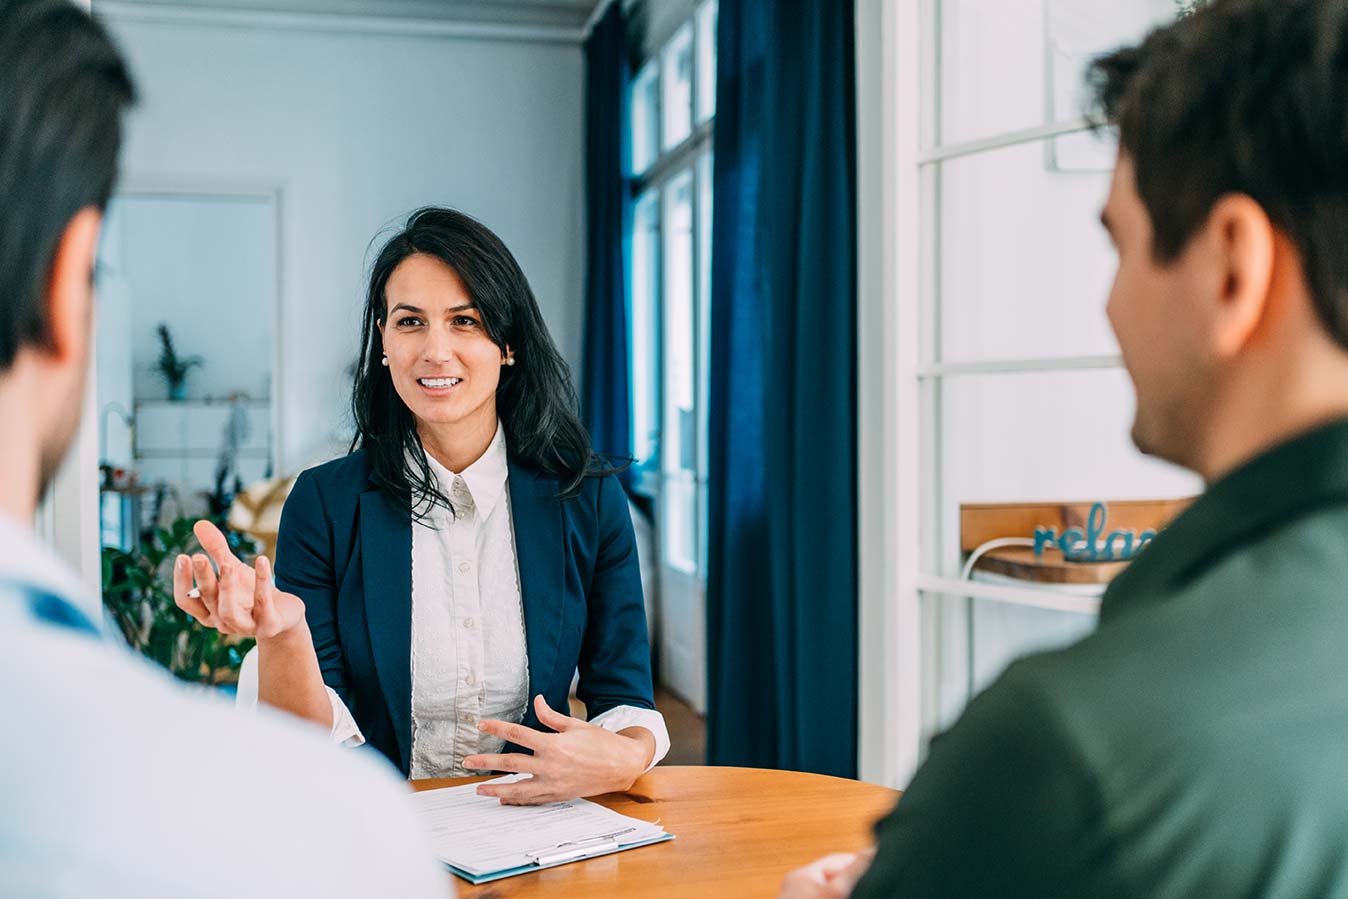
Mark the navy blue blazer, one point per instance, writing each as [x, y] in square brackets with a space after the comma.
[346, 550]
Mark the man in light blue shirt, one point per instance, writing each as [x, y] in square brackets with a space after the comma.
[114, 781]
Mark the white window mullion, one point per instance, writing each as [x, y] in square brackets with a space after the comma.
[935, 370]
[1037, 134]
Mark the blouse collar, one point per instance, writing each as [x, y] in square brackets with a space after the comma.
[485, 478]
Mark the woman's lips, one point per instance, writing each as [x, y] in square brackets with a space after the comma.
[439, 386]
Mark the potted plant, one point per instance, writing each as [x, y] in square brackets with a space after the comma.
[172, 367]
[138, 591]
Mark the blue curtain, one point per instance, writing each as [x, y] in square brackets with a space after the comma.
[782, 582]
[605, 402]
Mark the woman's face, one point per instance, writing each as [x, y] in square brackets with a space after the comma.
[444, 365]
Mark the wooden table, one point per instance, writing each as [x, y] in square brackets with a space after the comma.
[737, 832]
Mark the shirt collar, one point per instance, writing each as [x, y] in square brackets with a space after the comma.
[27, 561]
[486, 478]
[1301, 474]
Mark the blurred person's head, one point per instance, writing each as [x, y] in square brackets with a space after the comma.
[63, 87]
[1229, 211]
[453, 342]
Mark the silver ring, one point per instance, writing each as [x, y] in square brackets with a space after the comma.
[194, 593]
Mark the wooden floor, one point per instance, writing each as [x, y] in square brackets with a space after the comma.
[687, 729]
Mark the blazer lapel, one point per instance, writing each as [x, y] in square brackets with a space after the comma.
[541, 555]
[386, 554]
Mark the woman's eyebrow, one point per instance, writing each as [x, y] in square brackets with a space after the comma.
[408, 307]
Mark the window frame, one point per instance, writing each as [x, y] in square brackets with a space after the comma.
[901, 376]
[686, 156]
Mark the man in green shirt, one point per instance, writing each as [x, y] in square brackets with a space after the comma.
[1197, 743]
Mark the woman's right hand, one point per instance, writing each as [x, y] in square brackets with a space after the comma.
[241, 599]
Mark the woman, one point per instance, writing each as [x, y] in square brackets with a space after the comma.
[470, 552]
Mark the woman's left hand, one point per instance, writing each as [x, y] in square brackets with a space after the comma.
[580, 759]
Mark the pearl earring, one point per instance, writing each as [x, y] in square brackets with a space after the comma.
[384, 361]
[510, 360]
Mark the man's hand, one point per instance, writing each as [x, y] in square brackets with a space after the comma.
[831, 877]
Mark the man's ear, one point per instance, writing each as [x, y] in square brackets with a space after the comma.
[1243, 240]
[70, 289]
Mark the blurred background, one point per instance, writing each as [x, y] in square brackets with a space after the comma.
[829, 273]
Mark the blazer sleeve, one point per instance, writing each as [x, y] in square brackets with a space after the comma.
[304, 556]
[615, 657]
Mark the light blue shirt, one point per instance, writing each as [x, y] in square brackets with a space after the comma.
[116, 781]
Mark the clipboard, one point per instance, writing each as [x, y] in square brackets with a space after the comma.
[562, 854]
[480, 840]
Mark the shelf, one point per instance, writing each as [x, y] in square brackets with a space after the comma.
[209, 401]
[1021, 563]
[1078, 600]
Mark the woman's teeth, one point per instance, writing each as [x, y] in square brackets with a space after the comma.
[438, 383]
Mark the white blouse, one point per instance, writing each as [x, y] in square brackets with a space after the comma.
[469, 656]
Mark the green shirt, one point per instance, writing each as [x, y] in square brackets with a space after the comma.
[1195, 745]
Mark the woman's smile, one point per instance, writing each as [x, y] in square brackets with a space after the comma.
[437, 387]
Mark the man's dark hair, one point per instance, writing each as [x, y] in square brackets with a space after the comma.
[63, 87]
[1247, 97]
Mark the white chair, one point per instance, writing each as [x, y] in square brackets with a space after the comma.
[645, 537]
[246, 695]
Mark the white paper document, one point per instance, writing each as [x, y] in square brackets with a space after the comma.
[478, 836]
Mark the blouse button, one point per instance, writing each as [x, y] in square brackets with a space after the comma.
[468, 623]
[465, 567]
[469, 679]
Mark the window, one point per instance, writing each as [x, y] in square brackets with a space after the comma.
[1025, 398]
[645, 340]
[679, 467]
[645, 124]
[676, 83]
[673, 105]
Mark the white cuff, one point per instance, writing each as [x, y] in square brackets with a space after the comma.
[625, 716]
[344, 729]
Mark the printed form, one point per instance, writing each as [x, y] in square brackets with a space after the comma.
[481, 838]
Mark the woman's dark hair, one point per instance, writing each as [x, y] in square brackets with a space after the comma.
[535, 401]
[1247, 97]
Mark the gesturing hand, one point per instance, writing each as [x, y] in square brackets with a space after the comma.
[241, 599]
[580, 759]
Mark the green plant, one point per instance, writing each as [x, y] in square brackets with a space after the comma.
[172, 367]
[138, 590]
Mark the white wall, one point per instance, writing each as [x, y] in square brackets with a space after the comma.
[356, 130]
[206, 267]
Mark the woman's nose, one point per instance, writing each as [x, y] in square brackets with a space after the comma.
[441, 346]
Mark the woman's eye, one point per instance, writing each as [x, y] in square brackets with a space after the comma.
[465, 321]
[408, 321]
